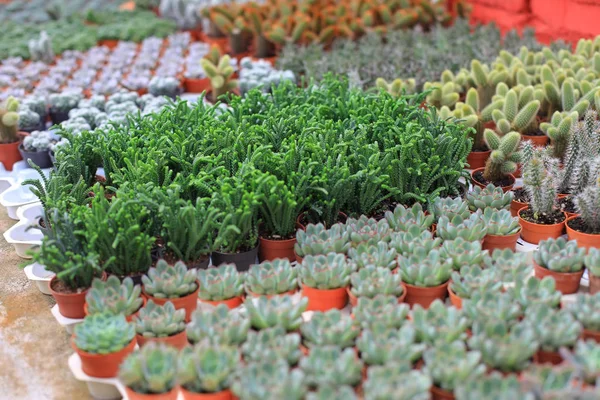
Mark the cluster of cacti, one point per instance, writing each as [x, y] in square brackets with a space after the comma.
[113, 296]
[319, 240]
[41, 49]
[155, 321]
[183, 12]
[587, 204]
[63, 102]
[371, 281]
[441, 94]
[103, 333]
[220, 283]
[277, 311]
[169, 281]
[219, 325]
[329, 271]
[489, 197]
[560, 255]
[518, 112]
[9, 120]
[29, 120]
[150, 370]
[539, 185]
[397, 87]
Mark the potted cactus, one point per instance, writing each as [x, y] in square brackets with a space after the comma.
[426, 276]
[271, 278]
[114, 297]
[396, 380]
[585, 310]
[371, 281]
[220, 75]
[175, 283]
[150, 372]
[503, 230]
[276, 311]
[381, 345]
[272, 340]
[585, 228]
[492, 386]
[489, 197]
[102, 341]
[471, 229]
[219, 324]
[9, 138]
[502, 163]
[222, 284]
[329, 328]
[317, 240]
[160, 324]
[35, 148]
[462, 252]
[561, 260]
[470, 280]
[269, 379]
[439, 323]
[324, 279]
[449, 366]
[592, 263]
[206, 370]
[381, 310]
[330, 365]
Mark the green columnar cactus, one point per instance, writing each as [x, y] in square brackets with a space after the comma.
[219, 324]
[559, 255]
[587, 311]
[154, 321]
[403, 217]
[103, 333]
[559, 131]
[329, 365]
[269, 379]
[397, 87]
[536, 291]
[439, 324]
[275, 341]
[425, 269]
[276, 311]
[473, 279]
[489, 197]
[518, 112]
[539, 185]
[329, 328]
[396, 380]
[500, 222]
[169, 282]
[381, 310]
[449, 207]
[504, 157]
[371, 281]
[114, 297]
[553, 328]
[406, 243]
[485, 81]
[326, 272]
[462, 252]
[220, 283]
[451, 365]
[9, 120]
[207, 367]
[562, 94]
[150, 370]
[587, 204]
[381, 345]
[380, 255]
[319, 240]
[272, 277]
[470, 229]
[220, 75]
[492, 387]
[491, 306]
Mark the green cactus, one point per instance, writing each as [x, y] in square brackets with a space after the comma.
[371, 281]
[380, 345]
[103, 333]
[442, 94]
[367, 230]
[380, 255]
[587, 204]
[504, 157]
[220, 283]
[154, 321]
[397, 87]
[491, 306]
[518, 112]
[169, 282]
[330, 365]
[492, 387]
[113, 297]
[319, 240]
[272, 277]
[539, 184]
[329, 328]
[559, 255]
[381, 310]
[500, 222]
[559, 131]
[452, 364]
[219, 325]
[269, 379]
[439, 324]
[473, 279]
[406, 243]
[396, 380]
[449, 207]
[272, 340]
[276, 311]
[326, 272]
[425, 269]
[207, 367]
[489, 197]
[403, 217]
[585, 309]
[485, 81]
[470, 229]
[9, 120]
[553, 328]
[562, 94]
[150, 370]
[220, 75]
[462, 253]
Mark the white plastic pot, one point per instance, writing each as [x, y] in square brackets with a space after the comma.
[16, 196]
[23, 239]
[37, 274]
[100, 388]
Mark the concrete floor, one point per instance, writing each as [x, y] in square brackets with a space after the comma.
[34, 348]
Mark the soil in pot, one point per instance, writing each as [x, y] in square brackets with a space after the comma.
[71, 303]
[566, 205]
[520, 200]
[477, 158]
[325, 299]
[566, 282]
[223, 395]
[179, 340]
[39, 158]
[506, 183]
[541, 228]
[425, 295]
[242, 260]
[492, 242]
[172, 395]
[579, 231]
[275, 246]
[547, 357]
[9, 154]
[188, 302]
[103, 365]
[440, 394]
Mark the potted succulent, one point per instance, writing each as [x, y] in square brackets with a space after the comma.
[114, 297]
[164, 86]
[585, 228]
[462, 252]
[150, 372]
[449, 207]
[396, 380]
[324, 279]
[492, 386]
[36, 147]
[160, 324]
[489, 197]
[367, 230]
[206, 371]
[592, 263]
[174, 283]
[317, 240]
[380, 255]
[381, 345]
[535, 291]
[371, 281]
[511, 267]
[271, 278]
[333, 392]
[449, 366]
[276, 311]
[553, 329]
[9, 138]
[470, 280]
[407, 243]
[403, 218]
[502, 162]
[585, 310]
[471, 229]
[223, 284]
[330, 365]
[561, 260]
[439, 323]
[491, 306]
[219, 324]
[270, 378]
[555, 382]
[426, 275]
[29, 120]
[585, 359]
[329, 328]
[272, 340]
[503, 230]
[102, 341]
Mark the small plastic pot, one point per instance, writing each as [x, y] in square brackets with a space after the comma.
[481, 185]
[231, 303]
[242, 260]
[535, 233]
[172, 395]
[538, 140]
[103, 365]
[272, 249]
[196, 85]
[454, 298]
[325, 299]
[188, 302]
[491, 242]
[566, 282]
[222, 395]
[586, 240]
[58, 116]
[594, 283]
[9, 154]
[39, 158]
[547, 357]
[588, 334]
[179, 340]
[424, 296]
[440, 394]
[477, 159]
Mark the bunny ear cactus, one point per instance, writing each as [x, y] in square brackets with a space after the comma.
[504, 157]
[562, 94]
[220, 75]
[518, 112]
[559, 131]
[397, 87]
[442, 94]
[485, 81]
[9, 120]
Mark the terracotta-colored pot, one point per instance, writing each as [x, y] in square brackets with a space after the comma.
[103, 365]
[231, 303]
[299, 223]
[481, 185]
[178, 340]
[110, 43]
[9, 154]
[588, 334]
[223, 395]
[594, 283]
[70, 305]
[129, 317]
[586, 240]
[188, 303]
[221, 42]
[269, 296]
[440, 394]
[538, 140]
[172, 395]
[323, 299]
[516, 206]
[535, 233]
[566, 282]
[354, 300]
[491, 242]
[192, 85]
[272, 249]
[477, 159]
[547, 357]
[298, 258]
[425, 295]
[454, 299]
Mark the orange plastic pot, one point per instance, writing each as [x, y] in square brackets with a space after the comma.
[188, 303]
[110, 43]
[588, 334]
[231, 303]
[325, 299]
[491, 242]
[477, 159]
[586, 240]
[70, 305]
[103, 365]
[594, 283]
[481, 185]
[354, 300]
[178, 340]
[535, 233]
[269, 296]
[9, 154]
[547, 357]
[222, 395]
[272, 249]
[192, 85]
[566, 282]
[424, 296]
[454, 299]
[172, 395]
[298, 258]
[516, 206]
[440, 394]
[538, 140]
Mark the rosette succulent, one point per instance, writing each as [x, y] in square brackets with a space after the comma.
[472, 279]
[559, 255]
[462, 252]
[452, 364]
[329, 328]
[402, 218]
[407, 242]
[470, 229]
[272, 277]
[219, 325]
[220, 283]
[276, 311]
[449, 207]
[155, 321]
[150, 370]
[371, 281]
[586, 309]
[439, 323]
[553, 328]
[489, 197]
[396, 380]
[491, 306]
[536, 291]
[367, 230]
[381, 310]
[425, 269]
[378, 255]
[269, 379]
[330, 365]
[113, 296]
[272, 340]
[318, 240]
[207, 367]
[380, 345]
[500, 222]
[329, 271]
[169, 282]
[103, 333]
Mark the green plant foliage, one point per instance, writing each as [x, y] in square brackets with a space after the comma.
[329, 365]
[169, 281]
[560, 255]
[207, 367]
[329, 328]
[276, 311]
[103, 334]
[535, 291]
[403, 218]
[114, 297]
[585, 310]
[491, 306]
[219, 325]
[381, 310]
[272, 340]
[150, 370]
[220, 283]
[154, 321]
[331, 271]
[493, 387]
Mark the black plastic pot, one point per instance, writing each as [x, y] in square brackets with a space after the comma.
[40, 127]
[58, 116]
[39, 158]
[199, 265]
[242, 261]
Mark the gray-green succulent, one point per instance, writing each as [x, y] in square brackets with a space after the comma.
[113, 296]
[379, 255]
[381, 310]
[473, 279]
[449, 207]
[329, 328]
[269, 379]
[169, 282]
[218, 324]
[330, 365]
[220, 283]
[319, 240]
[500, 222]
[559, 255]
[553, 328]
[276, 311]
[451, 365]
[379, 345]
[272, 340]
[272, 277]
[586, 310]
[470, 229]
[407, 242]
[150, 370]
[403, 217]
[371, 281]
[156, 321]
[331, 271]
[103, 333]
[439, 323]
[207, 367]
[425, 269]
[396, 380]
[462, 252]
[489, 197]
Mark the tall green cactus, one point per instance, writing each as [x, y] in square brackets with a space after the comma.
[485, 80]
[9, 121]
[442, 94]
[559, 131]
[504, 157]
[565, 93]
[518, 112]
